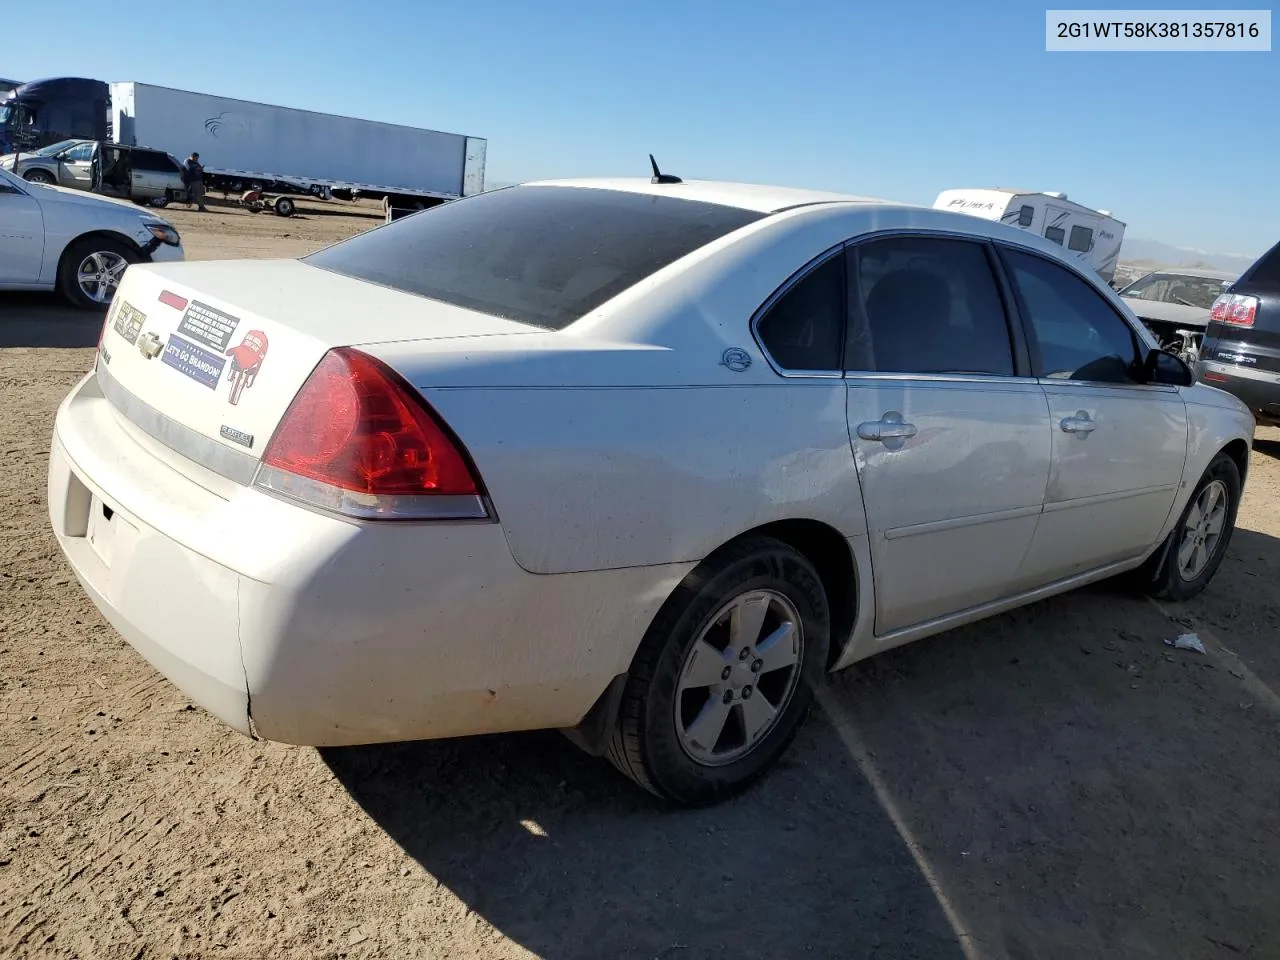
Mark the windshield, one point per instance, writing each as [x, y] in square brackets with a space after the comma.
[538, 255]
[1178, 288]
[54, 148]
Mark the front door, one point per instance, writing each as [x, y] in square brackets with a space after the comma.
[75, 166]
[952, 446]
[1119, 445]
[21, 236]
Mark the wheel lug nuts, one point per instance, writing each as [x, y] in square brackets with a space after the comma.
[744, 653]
[724, 674]
[728, 696]
[757, 666]
[746, 692]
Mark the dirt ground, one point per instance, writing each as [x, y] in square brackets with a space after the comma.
[1054, 783]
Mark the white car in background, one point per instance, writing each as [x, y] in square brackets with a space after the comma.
[78, 244]
[638, 460]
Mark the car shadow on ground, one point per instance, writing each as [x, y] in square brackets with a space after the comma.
[1054, 782]
[46, 320]
[569, 860]
[1270, 447]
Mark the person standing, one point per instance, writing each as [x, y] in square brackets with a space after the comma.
[194, 178]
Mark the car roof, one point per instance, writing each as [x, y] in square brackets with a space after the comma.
[747, 196]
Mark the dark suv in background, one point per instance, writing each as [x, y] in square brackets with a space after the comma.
[1241, 349]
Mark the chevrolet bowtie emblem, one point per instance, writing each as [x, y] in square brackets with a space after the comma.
[149, 346]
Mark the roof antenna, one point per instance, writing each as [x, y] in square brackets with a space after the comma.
[659, 176]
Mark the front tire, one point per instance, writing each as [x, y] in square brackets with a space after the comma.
[1198, 543]
[91, 271]
[725, 675]
[38, 176]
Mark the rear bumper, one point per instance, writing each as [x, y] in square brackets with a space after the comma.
[304, 628]
[1258, 390]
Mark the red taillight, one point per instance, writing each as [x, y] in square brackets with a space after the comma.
[1235, 309]
[369, 446]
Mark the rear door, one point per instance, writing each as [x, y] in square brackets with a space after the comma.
[950, 437]
[1241, 350]
[1118, 444]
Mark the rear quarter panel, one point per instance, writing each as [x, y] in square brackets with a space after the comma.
[596, 478]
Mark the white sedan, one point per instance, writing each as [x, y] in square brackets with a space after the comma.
[638, 460]
[75, 243]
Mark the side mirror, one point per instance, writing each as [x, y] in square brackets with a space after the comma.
[1163, 367]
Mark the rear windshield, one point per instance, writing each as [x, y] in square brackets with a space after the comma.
[538, 255]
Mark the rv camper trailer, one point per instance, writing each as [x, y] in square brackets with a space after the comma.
[1092, 235]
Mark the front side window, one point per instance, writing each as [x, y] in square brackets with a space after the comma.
[1076, 334]
[80, 154]
[544, 256]
[804, 328]
[926, 305]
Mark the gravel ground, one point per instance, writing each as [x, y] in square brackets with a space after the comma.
[1052, 783]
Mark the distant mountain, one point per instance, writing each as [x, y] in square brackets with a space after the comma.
[1164, 255]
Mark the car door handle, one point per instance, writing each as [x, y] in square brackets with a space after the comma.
[890, 427]
[1080, 423]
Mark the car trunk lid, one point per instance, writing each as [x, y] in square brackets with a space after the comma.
[206, 357]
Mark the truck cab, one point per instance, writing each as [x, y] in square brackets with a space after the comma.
[43, 112]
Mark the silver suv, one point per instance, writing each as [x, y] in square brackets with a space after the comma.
[140, 174]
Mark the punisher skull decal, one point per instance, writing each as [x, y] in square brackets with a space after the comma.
[246, 361]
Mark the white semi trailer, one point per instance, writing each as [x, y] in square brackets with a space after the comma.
[244, 144]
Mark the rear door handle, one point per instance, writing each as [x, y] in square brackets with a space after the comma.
[1080, 423]
[891, 430]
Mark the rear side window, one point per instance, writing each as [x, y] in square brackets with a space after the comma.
[151, 161]
[538, 255]
[804, 328]
[926, 305]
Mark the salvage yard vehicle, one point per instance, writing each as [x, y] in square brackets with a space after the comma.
[75, 243]
[639, 460]
[140, 174]
[1241, 349]
[1174, 305]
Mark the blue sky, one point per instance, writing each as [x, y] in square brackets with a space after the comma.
[892, 99]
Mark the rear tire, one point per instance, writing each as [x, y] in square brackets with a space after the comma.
[755, 614]
[112, 259]
[1189, 558]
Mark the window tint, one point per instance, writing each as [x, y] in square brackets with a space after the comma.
[926, 305]
[1081, 239]
[1055, 234]
[1026, 215]
[538, 255]
[151, 161]
[804, 329]
[1076, 333]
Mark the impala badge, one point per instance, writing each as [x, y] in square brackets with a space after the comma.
[149, 345]
[735, 359]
